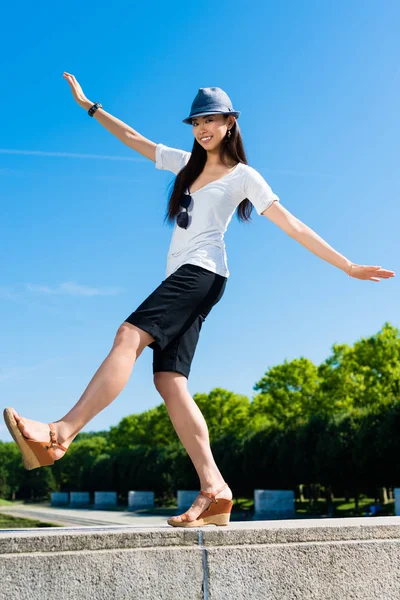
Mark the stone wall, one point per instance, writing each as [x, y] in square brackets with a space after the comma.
[329, 559]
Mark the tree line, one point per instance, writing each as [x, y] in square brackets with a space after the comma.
[331, 427]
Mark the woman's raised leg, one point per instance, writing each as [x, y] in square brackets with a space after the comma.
[192, 430]
[108, 381]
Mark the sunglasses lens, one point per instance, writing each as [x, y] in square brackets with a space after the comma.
[185, 200]
[182, 220]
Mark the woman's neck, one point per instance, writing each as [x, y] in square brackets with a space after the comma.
[213, 159]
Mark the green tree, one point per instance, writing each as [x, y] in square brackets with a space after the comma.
[287, 394]
[11, 470]
[225, 412]
[37, 484]
[152, 427]
[363, 377]
[70, 471]
[388, 447]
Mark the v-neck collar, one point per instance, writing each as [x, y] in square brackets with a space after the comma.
[215, 180]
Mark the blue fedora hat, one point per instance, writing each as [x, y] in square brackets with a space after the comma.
[209, 101]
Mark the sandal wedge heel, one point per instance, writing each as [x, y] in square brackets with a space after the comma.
[218, 513]
[34, 454]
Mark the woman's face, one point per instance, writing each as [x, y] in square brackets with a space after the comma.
[213, 127]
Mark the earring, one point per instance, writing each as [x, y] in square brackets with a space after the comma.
[229, 133]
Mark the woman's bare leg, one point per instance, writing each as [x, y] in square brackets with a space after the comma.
[108, 381]
[192, 430]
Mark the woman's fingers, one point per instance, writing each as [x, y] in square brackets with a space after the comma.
[70, 77]
[76, 89]
[371, 273]
[385, 272]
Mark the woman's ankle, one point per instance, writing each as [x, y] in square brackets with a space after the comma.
[212, 485]
[65, 431]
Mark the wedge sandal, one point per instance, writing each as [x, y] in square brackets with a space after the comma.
[34, 454]
[218, 513]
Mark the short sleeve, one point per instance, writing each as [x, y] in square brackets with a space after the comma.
[257, 190]
[171, 159]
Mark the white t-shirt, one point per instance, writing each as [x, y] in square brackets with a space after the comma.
[210, 212]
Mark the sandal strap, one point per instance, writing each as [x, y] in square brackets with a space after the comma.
[212, 495]
[53, 438]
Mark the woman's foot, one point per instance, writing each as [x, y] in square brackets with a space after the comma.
[202, 502]
[40, 432]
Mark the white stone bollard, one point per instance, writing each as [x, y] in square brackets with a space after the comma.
[274, 504]
[79, 499]
[139, 499]
[105, 499]
[59, 498]
[397, 502]
[186, 499]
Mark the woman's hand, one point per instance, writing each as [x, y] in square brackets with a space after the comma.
[369, 273]
[77, 91]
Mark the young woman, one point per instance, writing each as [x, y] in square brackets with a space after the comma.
[212, 182]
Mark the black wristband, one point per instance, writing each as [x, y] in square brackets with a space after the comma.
[93, 108]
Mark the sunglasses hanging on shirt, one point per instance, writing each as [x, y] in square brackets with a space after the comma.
[182, 219]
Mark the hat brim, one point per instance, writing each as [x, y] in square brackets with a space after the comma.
[188, 120]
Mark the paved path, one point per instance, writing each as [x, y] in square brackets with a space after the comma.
[81, 516]
[75, 517]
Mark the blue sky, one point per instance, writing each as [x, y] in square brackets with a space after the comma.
[82, 236]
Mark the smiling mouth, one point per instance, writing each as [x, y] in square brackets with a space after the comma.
[206, 140]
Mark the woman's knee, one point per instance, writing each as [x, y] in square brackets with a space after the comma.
[169, 382]
[132, 338]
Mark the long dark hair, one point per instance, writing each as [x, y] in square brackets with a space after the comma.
[232, 147]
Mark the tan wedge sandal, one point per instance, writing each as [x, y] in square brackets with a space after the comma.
[213, 515]
[34, 454]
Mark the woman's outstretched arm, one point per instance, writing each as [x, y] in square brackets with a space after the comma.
[121, 130]
[313, 242]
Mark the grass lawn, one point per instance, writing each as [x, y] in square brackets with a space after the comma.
[5, 502]
[9, 522]
[340, 508]
[344, 509]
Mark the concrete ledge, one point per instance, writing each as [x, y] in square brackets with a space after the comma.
[329, 559]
